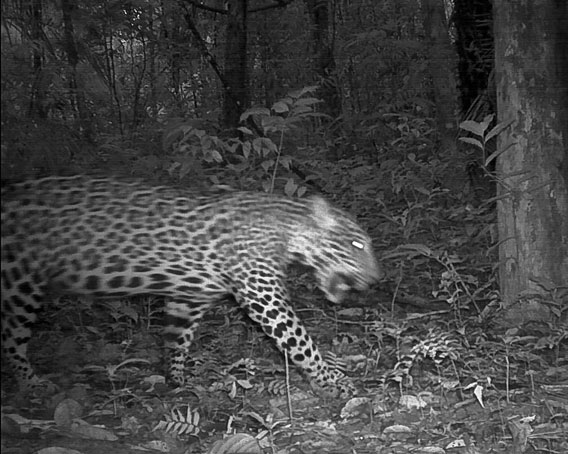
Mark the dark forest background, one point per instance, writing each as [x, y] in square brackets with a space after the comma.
[440, 124]
[158, 89]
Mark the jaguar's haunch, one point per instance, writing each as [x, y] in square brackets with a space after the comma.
[109, 238]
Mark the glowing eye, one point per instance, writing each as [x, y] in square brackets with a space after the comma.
[357, 244]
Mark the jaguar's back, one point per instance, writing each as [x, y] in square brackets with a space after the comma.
[108, 238]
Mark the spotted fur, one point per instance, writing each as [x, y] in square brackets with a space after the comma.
[108, 238]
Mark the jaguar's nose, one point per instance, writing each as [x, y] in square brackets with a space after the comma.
[376, 272]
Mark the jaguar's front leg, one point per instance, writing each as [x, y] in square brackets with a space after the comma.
[182, 319]
[269, 307]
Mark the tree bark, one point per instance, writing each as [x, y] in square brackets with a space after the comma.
[77, 93]
[39, 92]
[323, 61]
[236, 93]
[531, 39]
[442, 69]
[473, 22]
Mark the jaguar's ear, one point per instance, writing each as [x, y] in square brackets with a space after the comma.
[323, 213]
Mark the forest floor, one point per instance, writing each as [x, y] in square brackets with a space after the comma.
[426, 388]
[437, 371]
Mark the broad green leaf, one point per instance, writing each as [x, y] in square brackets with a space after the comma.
[280, 107]
[472, 141]
[498, 128]
[262, 111]
[245, 130]
[290, 187]
[307, 102]
[474, 127]
[302, 91]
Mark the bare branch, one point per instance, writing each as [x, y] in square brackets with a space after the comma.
[278, 4]
[204, 7]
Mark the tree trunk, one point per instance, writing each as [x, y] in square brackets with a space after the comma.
[531, 62]
[442, 69]
[236, 92]
[473, 22]
[39, 92]
[323, 62]
[77, 93]
[442, 63]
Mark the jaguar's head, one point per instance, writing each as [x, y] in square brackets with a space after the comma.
[339, 251]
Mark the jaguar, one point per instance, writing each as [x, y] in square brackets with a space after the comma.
[111, 238]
